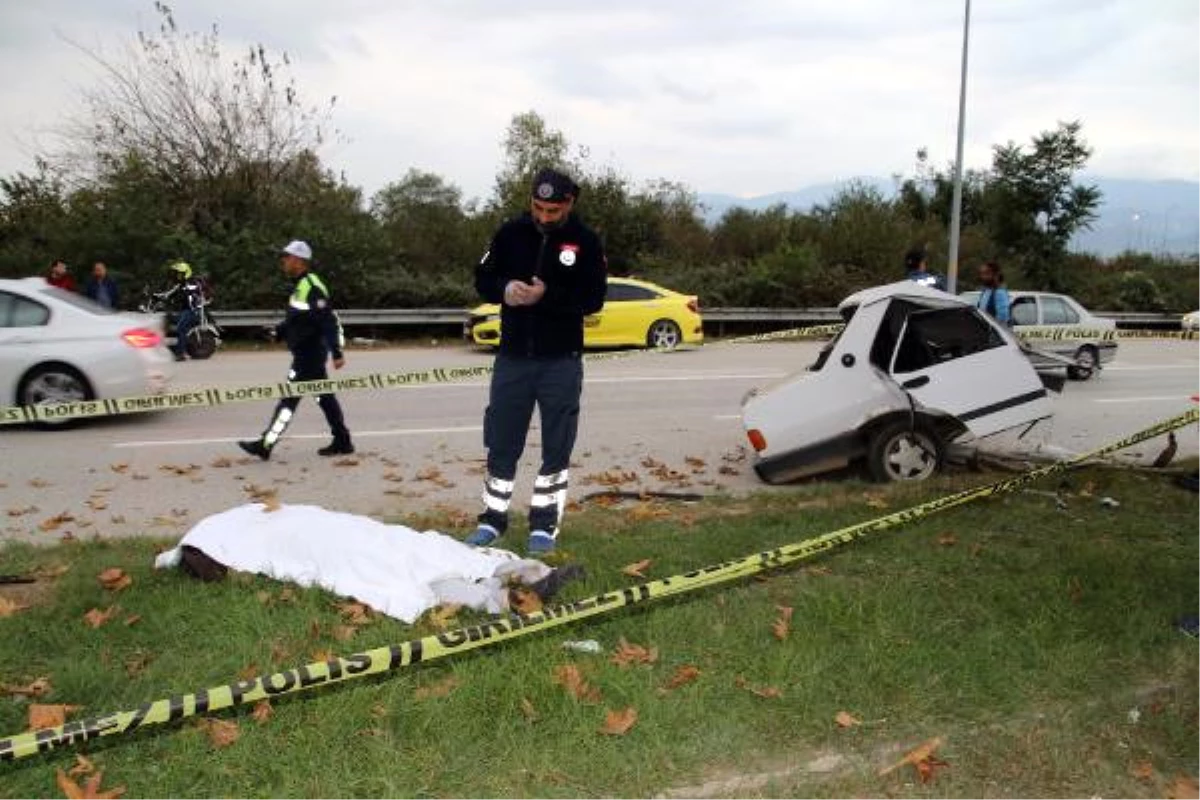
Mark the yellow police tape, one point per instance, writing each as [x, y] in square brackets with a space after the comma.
[505, 628]
[205, 398]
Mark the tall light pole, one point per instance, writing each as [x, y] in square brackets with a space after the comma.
[956, 202]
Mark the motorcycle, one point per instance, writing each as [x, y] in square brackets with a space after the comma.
[205, 336]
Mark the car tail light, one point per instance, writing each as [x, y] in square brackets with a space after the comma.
[141, 338]
[757, 440]
[694, 305]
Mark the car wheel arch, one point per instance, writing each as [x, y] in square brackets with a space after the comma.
[52, 366]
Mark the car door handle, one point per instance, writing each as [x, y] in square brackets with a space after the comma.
[915, 383]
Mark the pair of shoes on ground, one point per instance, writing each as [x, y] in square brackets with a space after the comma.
[540, 542]
[338, 447]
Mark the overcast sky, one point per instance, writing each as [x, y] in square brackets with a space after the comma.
[739, 96]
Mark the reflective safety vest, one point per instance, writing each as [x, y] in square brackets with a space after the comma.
[299, 302]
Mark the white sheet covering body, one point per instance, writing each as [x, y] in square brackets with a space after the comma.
[392, 568]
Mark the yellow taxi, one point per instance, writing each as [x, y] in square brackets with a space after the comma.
[637, 313]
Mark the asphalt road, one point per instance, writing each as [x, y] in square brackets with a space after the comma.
[660, 421]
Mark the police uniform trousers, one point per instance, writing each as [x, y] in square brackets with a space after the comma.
[306, 366]
[554, 385]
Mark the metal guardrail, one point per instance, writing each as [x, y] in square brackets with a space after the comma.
[384, 317]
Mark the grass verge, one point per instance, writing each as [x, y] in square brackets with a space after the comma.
[1038, 641]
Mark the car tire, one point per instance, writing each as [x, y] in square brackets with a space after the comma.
[201, 343]
[664, 335]
[902, 451]
[1087, 358]
[54, 383]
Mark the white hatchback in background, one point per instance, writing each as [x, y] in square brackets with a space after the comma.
[60, 347]
[913, 370]
[1031, 311]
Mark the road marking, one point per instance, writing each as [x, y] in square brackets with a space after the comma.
[357, 435]
[1174, 398]
[727, 416]
[1149, 367]
[670, 378]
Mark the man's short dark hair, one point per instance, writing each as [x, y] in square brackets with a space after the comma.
[914, 258]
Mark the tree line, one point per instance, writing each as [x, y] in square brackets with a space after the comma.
[181, 153]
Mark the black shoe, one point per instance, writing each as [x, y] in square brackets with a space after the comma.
[255, 447]
[340, 446]
[180, 357]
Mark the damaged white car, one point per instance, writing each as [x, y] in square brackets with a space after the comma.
[913, 370]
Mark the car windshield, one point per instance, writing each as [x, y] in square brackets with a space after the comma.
[77, 300]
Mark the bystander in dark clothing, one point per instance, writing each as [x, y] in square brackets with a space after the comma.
[993, 295]
[101, 287]
[313, 334]
[548, 271]
[916, 266]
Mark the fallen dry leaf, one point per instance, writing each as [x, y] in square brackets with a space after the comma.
[927, 768]
[35, 688]
[136, 664]
[89, 790]
[634, 570]
[97, 503]
[1142, 770]
[56, 522]
[444, 616]
[248, 672]
[9, 607]
[83, 766]
[221, 732]
[49, 716]
[114, 579]
[345, 462]
[39, 483]
[694, 463]
[845, 719]
[440, 689]
[947, 540]
[874, 501]
[95, 618]
[221, 462]
[618, 723]
[528, 711]
[782, 625]
[262, 711]
[133, 619]
[767, 692]
[20, 512]
[1184, 786]
[570, 678]
[922, 752]
[119, 468]
[355, 613]
[626, 654]
[324, 654]
[524, 601]
[344, 633]
[683, 675]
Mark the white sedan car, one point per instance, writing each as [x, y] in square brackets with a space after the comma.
[60, 347]
[914, 369]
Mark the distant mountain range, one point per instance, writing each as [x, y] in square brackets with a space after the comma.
[1150, 216]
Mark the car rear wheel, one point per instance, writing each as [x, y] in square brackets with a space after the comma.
[1086, 359]
[901, 451]
[201, 343]
[664, 335]
[54, 383]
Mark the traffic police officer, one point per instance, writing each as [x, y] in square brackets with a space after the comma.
[547, 270]
[313, 333]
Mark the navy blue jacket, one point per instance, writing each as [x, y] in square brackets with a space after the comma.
[569, 260]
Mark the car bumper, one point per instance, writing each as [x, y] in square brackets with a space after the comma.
[814, 459]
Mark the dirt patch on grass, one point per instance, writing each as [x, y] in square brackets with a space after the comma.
[28, 595]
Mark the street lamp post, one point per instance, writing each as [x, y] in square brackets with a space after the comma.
[956, 202]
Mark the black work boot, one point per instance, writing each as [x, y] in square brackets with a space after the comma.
[340, 446]
[255, 447]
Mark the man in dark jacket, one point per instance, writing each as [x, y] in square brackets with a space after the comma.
[548, 271]
[101, 287]
[313, 333]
